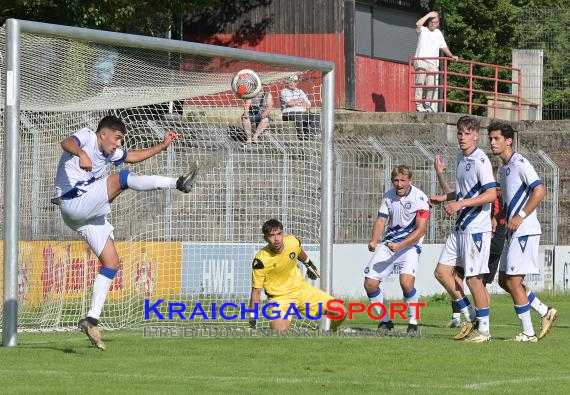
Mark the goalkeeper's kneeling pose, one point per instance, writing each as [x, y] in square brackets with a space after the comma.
[275, 269]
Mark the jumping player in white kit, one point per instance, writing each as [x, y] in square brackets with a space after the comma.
[84, 193]
[466, 251]
[523, 190]
[404, 213]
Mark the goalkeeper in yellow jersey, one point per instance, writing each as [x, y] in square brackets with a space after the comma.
[275, 270]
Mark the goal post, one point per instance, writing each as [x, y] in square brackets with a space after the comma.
[50, 91]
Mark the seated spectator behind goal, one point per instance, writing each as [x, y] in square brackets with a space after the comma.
[256, 113]
[295, 107]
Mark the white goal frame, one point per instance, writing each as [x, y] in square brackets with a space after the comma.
[14, 29]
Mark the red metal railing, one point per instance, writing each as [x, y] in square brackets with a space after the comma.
[499, 99]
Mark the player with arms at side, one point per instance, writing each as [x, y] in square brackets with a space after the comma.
[497, 240]
[275, 270]
[467, 248]
[523, 190]
[84, 193]
[404, 214]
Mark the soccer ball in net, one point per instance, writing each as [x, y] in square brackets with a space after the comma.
[246, 84]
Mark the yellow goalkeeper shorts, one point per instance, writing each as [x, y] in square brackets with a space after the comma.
[307, 294]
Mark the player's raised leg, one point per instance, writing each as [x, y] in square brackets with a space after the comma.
[123, 180]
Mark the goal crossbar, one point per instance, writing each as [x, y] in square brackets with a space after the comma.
[15, 28]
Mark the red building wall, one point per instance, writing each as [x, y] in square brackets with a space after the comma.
[329, 47]
[381, 85]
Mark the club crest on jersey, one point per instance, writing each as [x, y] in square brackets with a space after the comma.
[366, 270]
[468, 167]
[482, 160]
[292, 255]
[508, 171]
[408, 205]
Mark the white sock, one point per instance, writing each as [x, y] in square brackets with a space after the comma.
[524, 315]
[483, 319]
[150, 183]
[101, 287]
[536, 304]
[466, 308]
[378, 297]
[411, 297]
[456, 316]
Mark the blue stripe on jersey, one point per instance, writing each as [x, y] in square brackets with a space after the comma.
[515, 199]
[398, 234]
[489, 185]
[535, 184]
[393, 230]
[466, 210]
[76, 139]
[397, 230]
[382, 215]
[471, 217]
[525, 199]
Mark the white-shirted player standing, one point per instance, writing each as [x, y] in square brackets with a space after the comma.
[84, 193]
[466, 251]
[523, 190]
[404, 213]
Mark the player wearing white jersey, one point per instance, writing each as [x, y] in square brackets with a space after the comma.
[84, 193]
[523, 190]
[404, 214]
[467, 248]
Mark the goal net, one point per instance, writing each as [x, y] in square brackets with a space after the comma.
[194, 248]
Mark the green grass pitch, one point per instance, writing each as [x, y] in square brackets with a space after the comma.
[66, 363]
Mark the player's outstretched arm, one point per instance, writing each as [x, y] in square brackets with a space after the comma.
[488, 196]
[142, 154]
[71, 145]
[437, 199]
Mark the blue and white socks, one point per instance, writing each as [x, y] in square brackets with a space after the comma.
[101, 287]
[145, 183]
[465, 307]
[378, 297]
[524, 315]
[411, 297]
[536, 304]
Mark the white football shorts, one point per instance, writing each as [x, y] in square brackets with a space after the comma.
[87, 214]
[469, 251]
[384, 261]
[520, 256]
